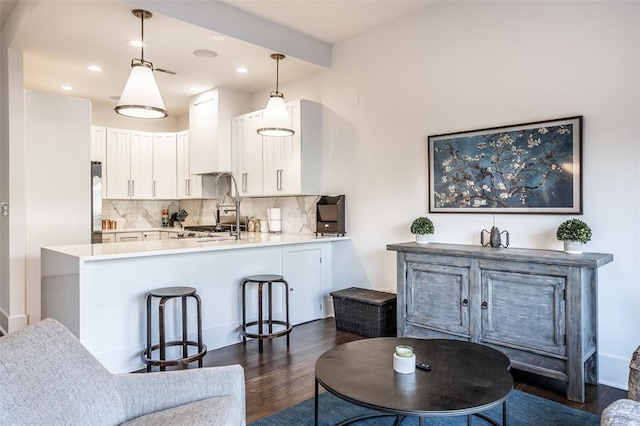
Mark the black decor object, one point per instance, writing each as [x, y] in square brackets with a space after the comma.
[330, 215]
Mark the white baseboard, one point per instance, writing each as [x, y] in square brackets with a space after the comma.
[613, 371]
[10, 324]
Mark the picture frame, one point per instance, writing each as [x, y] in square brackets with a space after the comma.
[531, 168]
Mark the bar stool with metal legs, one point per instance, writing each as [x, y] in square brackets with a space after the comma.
[271, 333]
[165, 294]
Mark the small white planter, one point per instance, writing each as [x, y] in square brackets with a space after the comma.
[423, 238]
[573, 247]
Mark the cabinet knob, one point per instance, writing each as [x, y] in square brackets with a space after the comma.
[465, 302]
[485, 305]
[291, 289]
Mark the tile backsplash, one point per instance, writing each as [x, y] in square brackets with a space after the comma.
[131, 214]
[298, 213]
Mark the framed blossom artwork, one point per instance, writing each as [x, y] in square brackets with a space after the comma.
[523, 168]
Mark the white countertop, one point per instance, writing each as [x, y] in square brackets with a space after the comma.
[89, 252]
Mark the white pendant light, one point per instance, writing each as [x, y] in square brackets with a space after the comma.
[141, 97]
[275, 119]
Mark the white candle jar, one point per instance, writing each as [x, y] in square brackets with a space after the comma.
[404, 360]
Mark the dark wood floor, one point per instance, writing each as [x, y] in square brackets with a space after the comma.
[282, 377]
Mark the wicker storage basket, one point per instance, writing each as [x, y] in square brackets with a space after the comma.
[364, 312]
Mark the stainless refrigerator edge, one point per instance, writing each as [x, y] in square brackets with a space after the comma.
[96, 202]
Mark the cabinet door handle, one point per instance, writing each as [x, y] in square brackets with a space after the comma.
[485, 305]
[128, 188]
[154, 188]
[188, 186]
[128, 238]
[279, 180]
[465, 302]
[244, 181]
[133, 187]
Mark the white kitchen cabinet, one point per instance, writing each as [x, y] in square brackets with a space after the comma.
[118, 164]
[164, 166]
[108, 238]
[307, 269]
[129, 164]
[127, 237]
[210, 115]
[247, 153]
[189, 185]
[141, 165]
[150, 235]
[282, 158]
[98, 143]
[99, 152]
[289, 165]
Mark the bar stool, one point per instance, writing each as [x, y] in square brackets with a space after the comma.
[165, 294]
[285, 330]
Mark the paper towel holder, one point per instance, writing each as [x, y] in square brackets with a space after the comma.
[330, 215]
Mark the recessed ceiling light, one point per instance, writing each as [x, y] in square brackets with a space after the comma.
[94, 68]
[205, 53]
[242, 69]
[136, 43]
[66, 87]
[219, 37]
[115, 98]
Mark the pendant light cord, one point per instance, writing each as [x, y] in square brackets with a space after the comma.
[142, 36]
[277, 73]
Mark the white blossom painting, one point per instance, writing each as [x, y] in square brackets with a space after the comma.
[524, 168]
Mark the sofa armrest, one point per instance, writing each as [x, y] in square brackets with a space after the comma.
[634, 376]
[144, 393]
[623, 412]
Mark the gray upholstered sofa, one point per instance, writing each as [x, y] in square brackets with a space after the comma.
[626, 412]
[48, 377]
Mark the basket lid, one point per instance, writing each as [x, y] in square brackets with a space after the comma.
[364, 295]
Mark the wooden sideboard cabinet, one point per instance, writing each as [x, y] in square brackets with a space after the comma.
[539, 307]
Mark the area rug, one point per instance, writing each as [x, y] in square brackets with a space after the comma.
[524, 410]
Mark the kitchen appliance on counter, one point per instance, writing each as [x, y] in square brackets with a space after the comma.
[330, 215]
[179, 217]
[96, 202]
[274, 216]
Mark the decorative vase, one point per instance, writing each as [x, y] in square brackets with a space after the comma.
[422, 238]
[573, 247]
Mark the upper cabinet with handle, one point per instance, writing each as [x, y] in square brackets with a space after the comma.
[129, 171]
[210, 115]
[247, 153]
[164, 166]
[279, 166]
[189, 185]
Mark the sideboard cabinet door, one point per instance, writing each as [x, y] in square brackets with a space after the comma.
[523, 311]
[438, 298]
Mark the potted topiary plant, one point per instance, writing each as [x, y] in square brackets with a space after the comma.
[422, 227]
[575, 234]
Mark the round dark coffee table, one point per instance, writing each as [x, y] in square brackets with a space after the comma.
[465, 378]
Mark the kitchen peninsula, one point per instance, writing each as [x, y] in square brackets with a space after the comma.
[98, 291]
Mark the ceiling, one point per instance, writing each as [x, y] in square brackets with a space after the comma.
[61, 38]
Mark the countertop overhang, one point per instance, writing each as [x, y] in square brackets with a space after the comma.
[90, 252]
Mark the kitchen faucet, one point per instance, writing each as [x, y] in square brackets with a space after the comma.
[236, 206]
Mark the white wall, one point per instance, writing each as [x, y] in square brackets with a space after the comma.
[468, 65]
[12, 226]
[57, 180]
